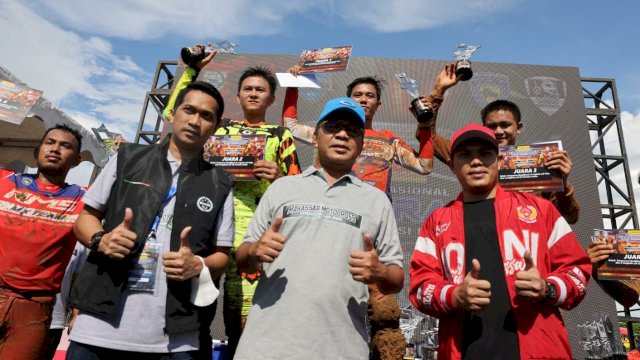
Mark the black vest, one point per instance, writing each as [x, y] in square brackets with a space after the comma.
[143, 180]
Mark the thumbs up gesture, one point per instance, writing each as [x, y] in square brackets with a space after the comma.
[364, 265]
[473, 294]
[529, 283]
[182, 264]
[118, 243]
[270, 244]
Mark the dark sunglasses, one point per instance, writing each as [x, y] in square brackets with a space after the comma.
[334, 127]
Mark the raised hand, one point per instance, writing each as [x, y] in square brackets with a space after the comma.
[364, 265]
[559, 160]
[270, 244]
[447, 78]
[206, 60]
[295, 70]
[118, 243]
[264, 169]
[182, 264]
[473, 294]
[529, 283]
[599, 253]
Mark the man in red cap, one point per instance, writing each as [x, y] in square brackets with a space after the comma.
[509, 306]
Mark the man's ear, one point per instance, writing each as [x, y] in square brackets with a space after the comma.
[314, 140]
[36, 151]
[379, 105]
[77, 161]
[450, 163]
[171, 114]
[272, 99]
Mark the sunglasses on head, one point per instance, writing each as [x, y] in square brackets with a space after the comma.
[334, 127]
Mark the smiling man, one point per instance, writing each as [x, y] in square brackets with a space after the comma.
[496, 267]
[381, 149]
[37, 213]
[504, 119]
[319, 243]
[168, 220]
[256, 93]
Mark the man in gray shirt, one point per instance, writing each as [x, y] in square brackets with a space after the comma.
[168, 224]
[320, 237]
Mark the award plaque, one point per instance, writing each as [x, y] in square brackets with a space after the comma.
[463, 65]
[423, 113]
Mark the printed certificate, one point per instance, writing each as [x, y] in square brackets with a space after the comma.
[236, 153]
[16, 101]
[624, 263]
[325, 59]
[521, 168]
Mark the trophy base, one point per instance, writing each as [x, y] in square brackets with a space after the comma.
[464, 73]
[422, 112]
[463, 69]
[191, 55]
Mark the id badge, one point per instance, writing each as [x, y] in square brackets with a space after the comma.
[142, 276]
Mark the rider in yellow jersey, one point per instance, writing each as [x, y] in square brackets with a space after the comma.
[256, 92]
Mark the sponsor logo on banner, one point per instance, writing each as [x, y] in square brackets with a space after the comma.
[547, 93]
[215, 78]
[487, 87]
[527, 214]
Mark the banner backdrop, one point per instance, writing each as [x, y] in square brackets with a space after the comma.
[551, 102]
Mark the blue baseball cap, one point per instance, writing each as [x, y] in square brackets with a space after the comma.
[344, 104]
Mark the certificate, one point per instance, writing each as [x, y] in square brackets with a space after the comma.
[236, 153]
[325, 59]
[624, 263]
[521, 168]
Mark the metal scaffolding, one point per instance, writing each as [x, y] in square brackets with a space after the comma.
[610, 159]
[149, 129]
[617, 200]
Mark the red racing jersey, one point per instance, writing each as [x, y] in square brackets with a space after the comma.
[523, 222]
[36, 232]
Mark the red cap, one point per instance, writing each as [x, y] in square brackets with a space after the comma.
[473, 132]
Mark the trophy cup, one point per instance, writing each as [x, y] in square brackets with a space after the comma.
[463, 65]
[191, 55]
[423, 113]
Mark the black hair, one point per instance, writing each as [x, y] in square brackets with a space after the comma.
[376, 82]
[259, 71]
[498, 105]
[206, 88]
[64, 128]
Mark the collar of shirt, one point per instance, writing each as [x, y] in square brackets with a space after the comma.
[351, 176]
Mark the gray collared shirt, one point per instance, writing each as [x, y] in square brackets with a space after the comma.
[306, 304]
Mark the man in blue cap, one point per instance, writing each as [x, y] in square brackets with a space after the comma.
[320, 237]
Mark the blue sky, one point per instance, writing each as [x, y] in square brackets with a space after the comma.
[95, 59]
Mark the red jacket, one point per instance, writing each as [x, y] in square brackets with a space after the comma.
[523, 221]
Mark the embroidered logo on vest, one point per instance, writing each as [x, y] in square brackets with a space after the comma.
[204, 204]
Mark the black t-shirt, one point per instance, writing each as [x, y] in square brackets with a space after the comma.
[490, 333]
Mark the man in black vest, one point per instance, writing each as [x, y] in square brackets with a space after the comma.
[168, 227]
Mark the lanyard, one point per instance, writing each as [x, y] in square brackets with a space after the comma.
[165, 201]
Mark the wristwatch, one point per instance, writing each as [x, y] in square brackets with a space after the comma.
[552, 291]
[94, 243]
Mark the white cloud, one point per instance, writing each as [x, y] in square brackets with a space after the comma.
[152, 19]
[405, 15]
[79, 74]
[631, 131]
